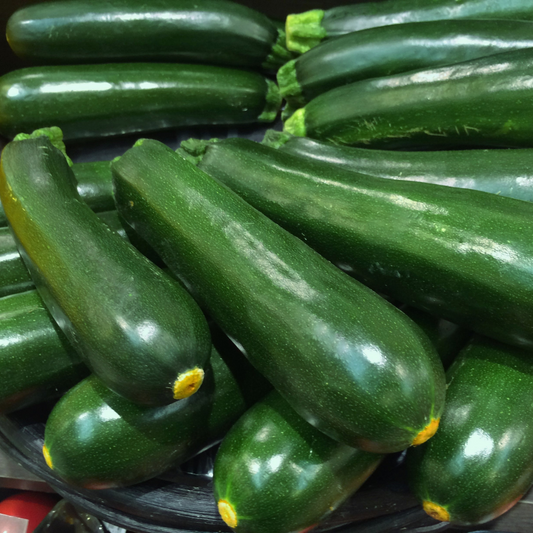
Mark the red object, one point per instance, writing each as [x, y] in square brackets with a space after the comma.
[33, 506]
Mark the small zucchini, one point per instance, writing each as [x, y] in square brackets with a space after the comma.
[308, 29]
[275, 473]
[36, 359]
[481, 461]
[137, 329]
[394, 49]
[96, 439]
[344, 358]
[88, 101]
[506, 171]
[478, 103]
[459, 254]
[216, 32]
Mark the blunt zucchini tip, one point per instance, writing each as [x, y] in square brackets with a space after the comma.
[188, 383]
[272, 102]
[228, 514]
[436, 511]
[295, 124]
[304, 30]
[427, 432]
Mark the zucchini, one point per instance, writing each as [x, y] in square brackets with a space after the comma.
[395, 49]
[197, 31]
[96, 439]
[36, 359]
[95, 100]
[275, 473]
[481, 460]
[459, 254]
[308, 29]
[344, 358]
[134, 327]
[505, 171]
[481, 102]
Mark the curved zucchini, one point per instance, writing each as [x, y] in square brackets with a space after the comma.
[395, 49]
[134, 327]
[481, 461]
[36, 359]
[96, 439]
[460, 254]
[95, 100]
[308, 29]
[505, 171]
[275, 473]
[333, 348]
[101, 31]
[481, 102]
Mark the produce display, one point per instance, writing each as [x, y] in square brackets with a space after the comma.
[356, 285]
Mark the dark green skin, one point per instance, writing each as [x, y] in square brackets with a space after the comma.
[36, 359]
[402, 47]
[97, 439]
[14, 276]
[482, 102]
[333, 348]
[480, 462]
[98, 31]
[134, 327]
[345, 19]
[506, 172]
[460, 254]
[88, 101]
[281, 474]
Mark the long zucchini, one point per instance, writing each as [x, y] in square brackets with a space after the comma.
[395, 49]
[95, 100]
[36, 359]
[306, 30]
[460, 254]
[96, 439]
[344, 358]
[275, 473]
[216, 32]
[506, 171]
[135, 327]
[481, 102]
[481, 461]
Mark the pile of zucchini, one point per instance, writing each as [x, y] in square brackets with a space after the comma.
[314, 301]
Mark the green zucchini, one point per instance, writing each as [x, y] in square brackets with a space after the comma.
[136, 328]
[308, 29]
[481, 460]
[394, 49]
[36, 359]
[275, 473]
[505, 171]
[459, 254]
[344, 358]
[95, 100]
[96, 439]
[481, 102]
[98, 31]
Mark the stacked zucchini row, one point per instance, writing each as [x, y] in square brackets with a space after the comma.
[282, 256]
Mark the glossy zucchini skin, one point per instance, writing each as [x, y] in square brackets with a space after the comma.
[394, 49]
[459, 254]
[96, 439]
[36, 359]
[207, 31]
[482, 102]
[333, 348]
[308, 29]
[88, 101]
[506, 171]
[481, 460]
[275, 473]
[133, 326]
